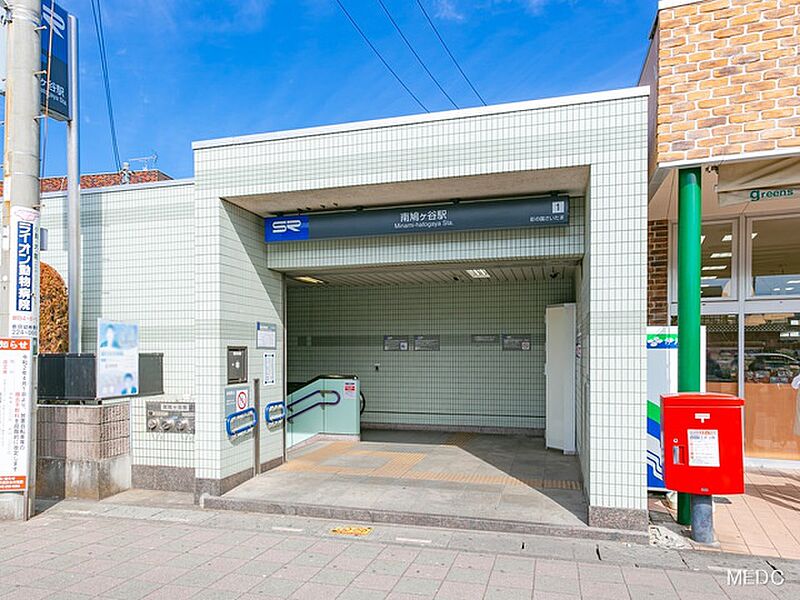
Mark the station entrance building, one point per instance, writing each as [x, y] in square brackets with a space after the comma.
[476, 272]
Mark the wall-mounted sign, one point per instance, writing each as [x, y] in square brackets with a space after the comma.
[117, 359]
[24, 275]
[269, 368]
[237, 397]
[395, 343]
[517, 342]
[16, 385]
[498, 214]
[169, 417]
[266, 336]
[484, 338]
[427, 343]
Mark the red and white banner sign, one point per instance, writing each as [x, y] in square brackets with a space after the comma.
[16, 387]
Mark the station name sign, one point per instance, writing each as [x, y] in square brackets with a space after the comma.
[466, 216]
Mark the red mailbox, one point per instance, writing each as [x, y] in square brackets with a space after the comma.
[703, 443]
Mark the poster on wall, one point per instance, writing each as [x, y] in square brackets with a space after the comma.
[269, 368]
[24, 274]
[662, 378]
[395, 343]
[517, 342]
[427, 343]
[266, 336]
[16, 385]
[117, 359]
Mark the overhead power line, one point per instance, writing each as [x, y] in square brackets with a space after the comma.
[450, 54]
[378, 54]
[416, 55]
[101, 43]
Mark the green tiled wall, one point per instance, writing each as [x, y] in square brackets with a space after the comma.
[341, 329]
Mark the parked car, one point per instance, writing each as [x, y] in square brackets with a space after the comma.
[772, 367]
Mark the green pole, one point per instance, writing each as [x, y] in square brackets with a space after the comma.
[689, 270]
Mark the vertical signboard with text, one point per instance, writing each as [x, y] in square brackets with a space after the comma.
[55, 94]
[24, 274]
[55, 59]
[16, 386]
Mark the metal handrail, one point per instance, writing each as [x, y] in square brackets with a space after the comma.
[241, 428]
[268, 414]
[320, 403]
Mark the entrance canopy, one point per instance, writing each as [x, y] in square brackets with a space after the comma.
[735, 188]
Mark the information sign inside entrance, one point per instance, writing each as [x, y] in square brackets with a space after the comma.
[505, 214]
[395, 343]
[427, 343]
[517, 342]
[15, 397]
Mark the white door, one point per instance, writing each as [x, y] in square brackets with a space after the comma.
[560, 377]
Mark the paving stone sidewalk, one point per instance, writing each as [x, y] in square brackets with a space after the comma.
[79, 550]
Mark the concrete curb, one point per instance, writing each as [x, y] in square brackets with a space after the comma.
[421, 519]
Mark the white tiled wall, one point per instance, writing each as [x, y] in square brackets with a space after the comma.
[138, 265]
[606, 132]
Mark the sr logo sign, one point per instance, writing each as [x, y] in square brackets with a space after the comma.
[287, 228]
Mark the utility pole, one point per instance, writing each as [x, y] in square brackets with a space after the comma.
[21, 191]
[692, 508]
[73, 195]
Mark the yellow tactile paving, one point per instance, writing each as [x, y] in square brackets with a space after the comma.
[459, 439]
[400, 465]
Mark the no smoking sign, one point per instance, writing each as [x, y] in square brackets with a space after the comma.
[242, 400]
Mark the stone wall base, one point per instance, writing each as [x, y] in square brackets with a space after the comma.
[167, 479]
[86, 479]
[618, 518]
[217, 487]
[83, 451]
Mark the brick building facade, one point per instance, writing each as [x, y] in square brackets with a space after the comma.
[728, 78]
[725, 100]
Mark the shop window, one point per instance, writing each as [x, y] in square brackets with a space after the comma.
[775, 262]
[772, 376]
[717, 260]
[722, 353]
[718, 254]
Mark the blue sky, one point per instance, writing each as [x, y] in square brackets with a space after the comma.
[184, 70]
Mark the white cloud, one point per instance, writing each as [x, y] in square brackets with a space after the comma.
[447, 10]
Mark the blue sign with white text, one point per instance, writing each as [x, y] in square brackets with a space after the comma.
[287, 229]
[55, 58]
[24, 295]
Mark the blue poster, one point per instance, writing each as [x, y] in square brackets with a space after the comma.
[117, 359]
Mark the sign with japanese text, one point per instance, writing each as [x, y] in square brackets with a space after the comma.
[24, 274]
[517, 342]
[56, 56]
[55, 27]
[464, 216]
[117, 359]
[16, 387]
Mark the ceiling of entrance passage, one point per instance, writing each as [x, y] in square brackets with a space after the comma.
[481, 274]
[572, 181]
